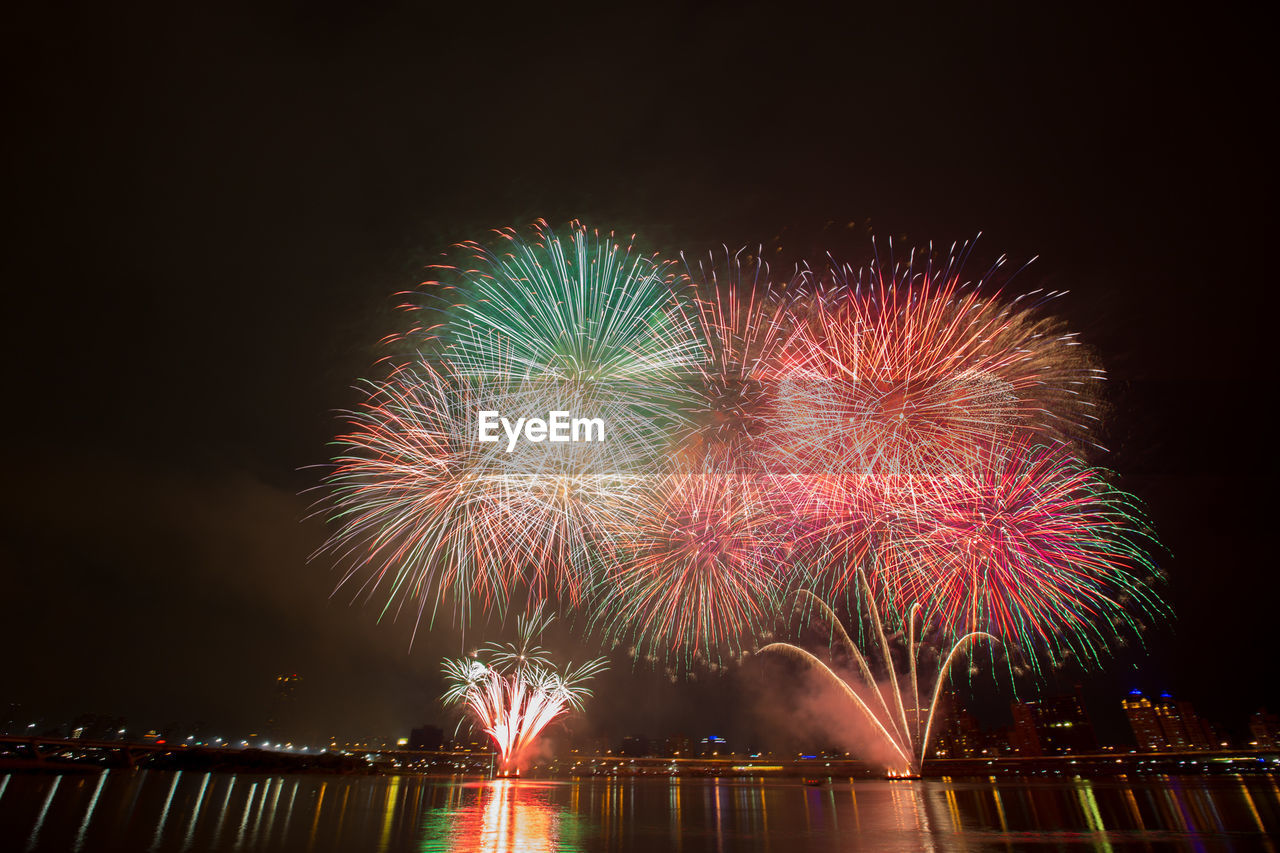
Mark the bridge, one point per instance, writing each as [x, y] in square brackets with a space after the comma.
[51, 753]
[36, 752]
[1110, 763]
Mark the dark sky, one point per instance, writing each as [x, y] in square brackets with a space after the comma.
[211, 208]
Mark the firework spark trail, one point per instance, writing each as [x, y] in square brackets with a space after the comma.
[538, 323]
[582, 313]
[765, 433]
[588, 308]
[702, 567]
[902, 380]
[515, 708]
[518, 692]
[413, 512]
[743, 318]
[429, 513]
[904, 373]
[892, 722]
[1031, 545]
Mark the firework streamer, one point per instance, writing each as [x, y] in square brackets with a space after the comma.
[743, 318]
[901, 376]
[1031, 545]
[513, 692]
[431, 516]
[905, 372]
[702, 569]
[527, 324]
[899, 718]
[583, 313]
[896, 423]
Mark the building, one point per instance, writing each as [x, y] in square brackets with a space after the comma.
[1264, 729]
[634, 746]
[15, 720]
[959, 736]
[284, 706]
[1200, 734]
[426, 737]
[1172, 725]
[678, 745]
[999, 742]
[1147, 732]
[1167, 724]
[713, 745]
[1056, 725]
[962, 738]
[97, 727]
[1022, 736]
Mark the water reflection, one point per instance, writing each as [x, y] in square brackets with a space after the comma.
[502, 816]
[44, 811]
[194, 811]
[88, 815]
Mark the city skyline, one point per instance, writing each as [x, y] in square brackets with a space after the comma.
[1032, 727]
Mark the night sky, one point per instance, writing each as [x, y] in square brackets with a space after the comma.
[211, 210]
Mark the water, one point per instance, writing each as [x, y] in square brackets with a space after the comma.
[142, 810]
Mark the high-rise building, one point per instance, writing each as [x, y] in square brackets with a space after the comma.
[1142, 719]
[960, 737]
[1023, 737]
[284, 705]
[1056, 725]
[1200, 734]
[426, 737]
[712, 745]
[678, 745]
[1169, 716]
[15, 721]
[1265, 729]
[97, 727]
[1166, 723]
[634, 746]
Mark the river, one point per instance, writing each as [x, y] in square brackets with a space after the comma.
[141, 810]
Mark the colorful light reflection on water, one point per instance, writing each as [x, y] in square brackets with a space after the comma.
[182, 812]
[502, 816]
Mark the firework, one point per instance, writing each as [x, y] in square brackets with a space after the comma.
[429, 515]
[743, 319]
[415, 519]
[892, 703]
[765, 433]
[1031, 545]
[583, 314]
[517, 692]
[702, 567]
[903, 374]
